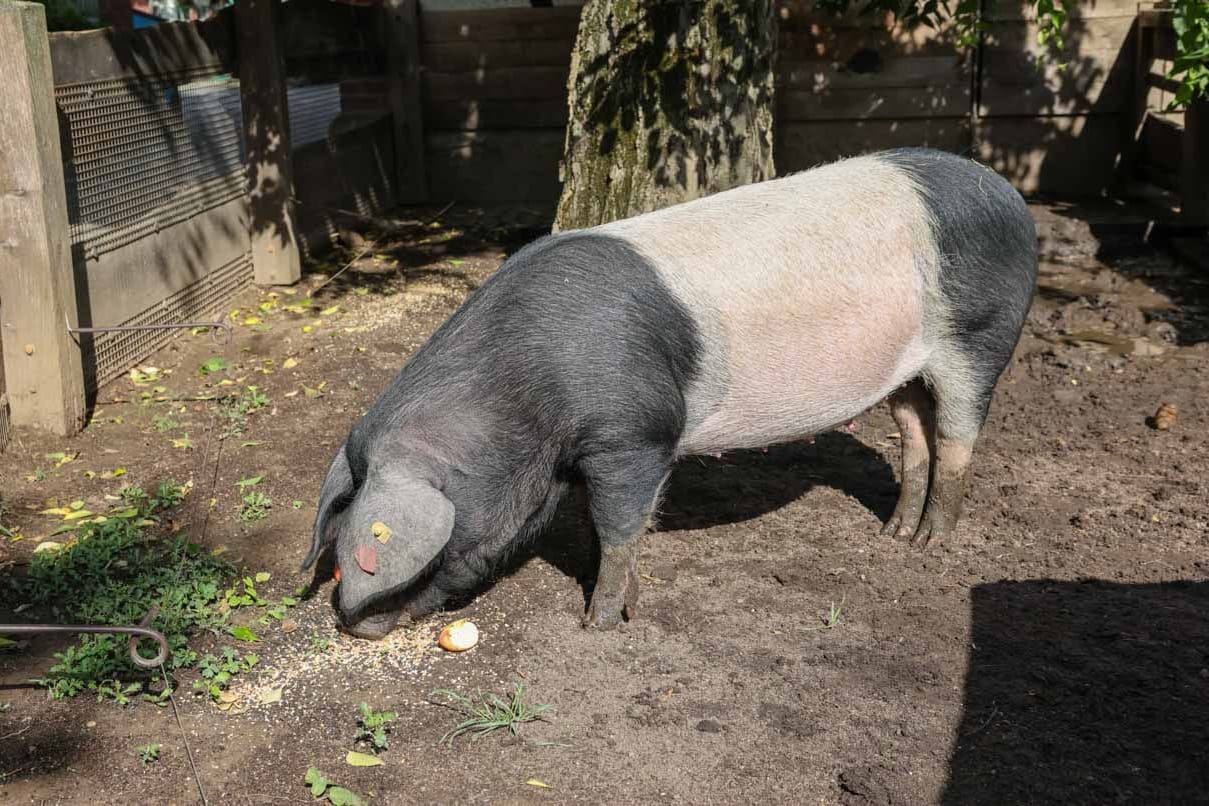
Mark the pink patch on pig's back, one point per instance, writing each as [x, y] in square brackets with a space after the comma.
[803, 358]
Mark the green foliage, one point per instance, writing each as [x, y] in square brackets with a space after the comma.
[321, 787]
[372, 727]
[64, 16]
[148, 753]
[1191, 20]
[114, 572]
[256, 506]
[490, 713]
[218, 670]
[1191, 68]
[236, 408]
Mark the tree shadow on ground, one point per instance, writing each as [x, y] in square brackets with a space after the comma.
[1084, 692]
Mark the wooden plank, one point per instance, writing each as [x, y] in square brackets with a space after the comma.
[1072, 155]
[1002, 10]
[495, 167]
[497, 114]
[839, 44]
[401, 20]
[897, 71]
[452, 57]
[1162, 143]
[1091, 74]
[1194, 170]
[511, 83]
[804, 145]
[266, 121]
[948, 101]
[500, 24]
[121, 284]
[43, 366]
[171, 48]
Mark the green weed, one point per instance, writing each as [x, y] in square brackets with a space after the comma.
[372, 727]
[490, 713]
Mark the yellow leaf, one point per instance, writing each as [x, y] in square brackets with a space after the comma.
[289, 363]
[330, 311]
[252, 320]
[60, 511]
[47, 545]
[76, 505]
[538, 784]
[79, 513]
[307, 328]
[355, 759]
[292, 394]
[382, 532]
[269, 696]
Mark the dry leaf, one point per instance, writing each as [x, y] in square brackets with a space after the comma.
[355, 759]
[269, 696]
[538, 784]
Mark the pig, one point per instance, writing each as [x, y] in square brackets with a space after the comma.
[598, 357]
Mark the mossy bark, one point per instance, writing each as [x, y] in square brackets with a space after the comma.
[669, 100]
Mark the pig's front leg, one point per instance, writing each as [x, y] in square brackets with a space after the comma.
[623, 488]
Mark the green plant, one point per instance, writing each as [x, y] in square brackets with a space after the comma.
[115, 572]
[217, 670]
[164, 422]
[236, 408]
[835, 614]
[1190, 18]
[321, 787]
[490, 713]
[321, 644]
[148, 753]
[256, 506]
[372, 727]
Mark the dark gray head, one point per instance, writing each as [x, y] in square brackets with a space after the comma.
[395, 524]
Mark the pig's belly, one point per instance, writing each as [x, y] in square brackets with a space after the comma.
[780, 378]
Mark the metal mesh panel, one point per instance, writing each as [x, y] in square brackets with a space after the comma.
[115, 353]
[140, 155]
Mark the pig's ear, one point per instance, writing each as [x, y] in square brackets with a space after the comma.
[337, 487]
[397, 526]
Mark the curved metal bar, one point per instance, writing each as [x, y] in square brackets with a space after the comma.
[135, 632]
[220, 332]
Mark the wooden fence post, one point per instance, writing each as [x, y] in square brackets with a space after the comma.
[402, 27]
[266, 121]
[1194, 193]
[42, 361]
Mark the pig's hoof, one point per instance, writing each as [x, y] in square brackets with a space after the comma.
[897, 528]
[601, 616]
[929, 528]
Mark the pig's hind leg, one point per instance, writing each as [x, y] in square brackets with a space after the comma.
[912, 409]
[623, 489]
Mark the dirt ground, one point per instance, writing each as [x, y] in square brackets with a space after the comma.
[1056, 651]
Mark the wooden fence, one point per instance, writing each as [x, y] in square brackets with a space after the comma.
[495, 84]
[167, 188]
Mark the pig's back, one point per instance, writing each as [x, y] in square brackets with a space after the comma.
[811, 295]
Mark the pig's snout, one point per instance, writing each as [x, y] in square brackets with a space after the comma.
[373, 627]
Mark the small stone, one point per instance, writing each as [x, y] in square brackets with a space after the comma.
[709, 726]
[90, 724]
[289, 625]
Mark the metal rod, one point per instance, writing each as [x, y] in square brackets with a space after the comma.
[135, 632]
[216, 328]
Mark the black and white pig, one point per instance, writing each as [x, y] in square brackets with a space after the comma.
[599, 357]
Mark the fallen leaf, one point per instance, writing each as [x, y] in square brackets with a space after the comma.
[289, 363]
[47, 545]
[329, 311]
[263, 576]
[339, 796]
[269, 696]
[355, 759]
[289, 626]
[539, 784]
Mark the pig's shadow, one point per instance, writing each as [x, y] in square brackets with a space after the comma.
[704, 492]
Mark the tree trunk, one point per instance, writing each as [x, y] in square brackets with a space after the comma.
[669, 100]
